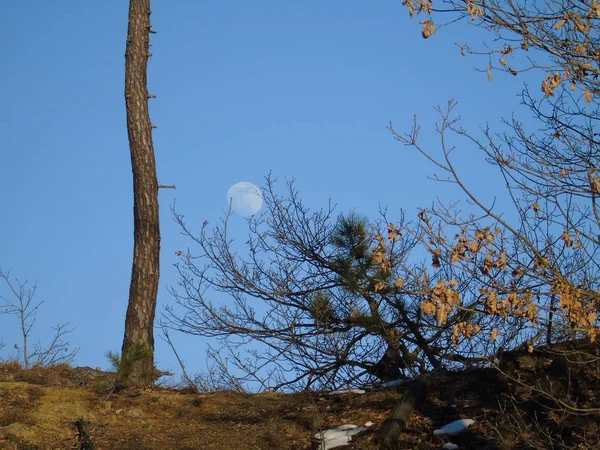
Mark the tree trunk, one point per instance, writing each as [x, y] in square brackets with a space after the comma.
[387, 435]
[139, 323]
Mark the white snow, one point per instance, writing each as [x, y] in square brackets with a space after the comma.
[454, 428]
[449, 446]
[347, 391]
[394, 383]
[368, 424]
[337, 437]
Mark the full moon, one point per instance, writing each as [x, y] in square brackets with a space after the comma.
[245, 198]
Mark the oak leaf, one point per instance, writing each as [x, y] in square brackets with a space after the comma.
[428, 28]
[494, 334]
[559, 24]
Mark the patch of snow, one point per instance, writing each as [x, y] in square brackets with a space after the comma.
[394, 383]
[449, 446]
[466, 405]
[347, 391]
[454, 428]
[337, 437]
[453, 406]
[369, 424]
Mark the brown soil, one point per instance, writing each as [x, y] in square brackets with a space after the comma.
[39, 409]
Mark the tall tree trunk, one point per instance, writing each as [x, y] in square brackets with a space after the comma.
[139, 323]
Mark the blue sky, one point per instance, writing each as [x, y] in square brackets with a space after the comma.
[302, 89]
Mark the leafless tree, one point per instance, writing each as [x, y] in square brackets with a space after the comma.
[550, 172]
[558, 37]
[21, 304]
[538, 258]
[332, 299]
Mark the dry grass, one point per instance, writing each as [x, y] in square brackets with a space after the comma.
[43, 416]
[12, 371]
[38, 410]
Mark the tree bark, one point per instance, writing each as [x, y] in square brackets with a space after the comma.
[139, 322]
[387, 435]
[85, 441]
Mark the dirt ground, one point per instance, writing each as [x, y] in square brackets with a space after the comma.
[39, 409]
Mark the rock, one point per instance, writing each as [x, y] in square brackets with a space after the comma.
[134, 412]
[88, 377]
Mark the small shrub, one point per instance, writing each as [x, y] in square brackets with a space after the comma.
[45, 376]
[124, 365]
[9, 369]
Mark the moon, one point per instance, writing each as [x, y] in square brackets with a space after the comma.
[244, 198]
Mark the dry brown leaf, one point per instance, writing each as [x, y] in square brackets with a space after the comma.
[474, 10]
[439, 288]
[596, 8]
[587, 95]
[442, 314]
[435, 258]
[378, 257]
[428, 28]
[559, 24]
[551, 82]
[487, 264]
[595, 183]
[500, 263]
[474, 246]
[581, 26]
[425, 6]
[428, 308]
[568, 239]
[380, 286]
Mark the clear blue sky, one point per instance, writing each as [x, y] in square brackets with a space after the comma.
[302, 89]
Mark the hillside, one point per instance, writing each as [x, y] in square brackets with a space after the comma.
[39, 409]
